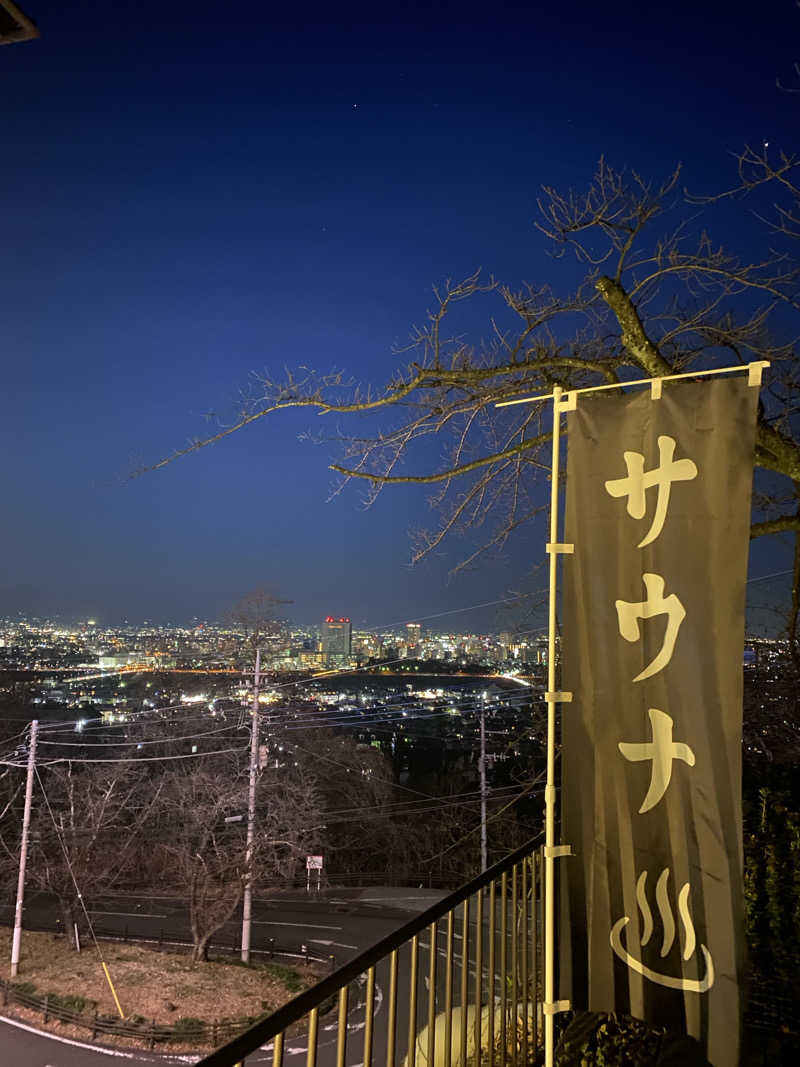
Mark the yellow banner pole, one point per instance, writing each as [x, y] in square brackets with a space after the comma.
[550, 791]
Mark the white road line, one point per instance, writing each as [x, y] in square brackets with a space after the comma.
[382, 900]
[130, 914]
[91, 1048]
[302, 926]
[330, 944]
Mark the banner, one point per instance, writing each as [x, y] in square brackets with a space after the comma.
[658, 511]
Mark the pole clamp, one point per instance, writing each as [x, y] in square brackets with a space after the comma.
[554, 549]
[568, 400]
[554, 1006]
[558, 697]
[754, 371]
[554, 852]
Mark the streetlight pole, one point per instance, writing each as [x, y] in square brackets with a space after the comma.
[23, 852]
[247, 902]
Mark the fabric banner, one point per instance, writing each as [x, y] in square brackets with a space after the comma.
[658, 510]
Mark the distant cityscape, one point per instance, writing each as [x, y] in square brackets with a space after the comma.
[113, 673]
[33, 644]
[419, 697]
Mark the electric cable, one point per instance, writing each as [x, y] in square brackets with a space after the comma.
[78, 892]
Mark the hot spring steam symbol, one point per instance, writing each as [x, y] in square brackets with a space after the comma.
[668, 922]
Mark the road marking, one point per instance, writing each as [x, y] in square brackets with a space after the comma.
[302, 926]
[92, 1048]
[130, 914]
[389, 901]
[336, 944]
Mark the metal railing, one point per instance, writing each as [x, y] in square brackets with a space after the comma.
[476, 1001]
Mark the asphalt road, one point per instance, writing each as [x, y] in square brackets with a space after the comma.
[326, 925]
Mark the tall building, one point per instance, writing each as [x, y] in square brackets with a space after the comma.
[413, 640]
[337, 636]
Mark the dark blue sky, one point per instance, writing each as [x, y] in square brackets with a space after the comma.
[195, 191]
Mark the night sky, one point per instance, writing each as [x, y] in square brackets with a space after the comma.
[196, 191]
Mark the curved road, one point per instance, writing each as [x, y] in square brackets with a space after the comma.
[328, 924]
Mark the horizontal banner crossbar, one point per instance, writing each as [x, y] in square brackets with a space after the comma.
[566, 550]
[558, 698]
[754, 372]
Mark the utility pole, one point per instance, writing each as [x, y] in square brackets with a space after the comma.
[23, 852]
[484, 863]
[247, 902]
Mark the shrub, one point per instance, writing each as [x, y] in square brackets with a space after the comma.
[187, 1024]
[71, 1002]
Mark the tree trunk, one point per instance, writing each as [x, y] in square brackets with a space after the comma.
[200, 950]
[68, 918]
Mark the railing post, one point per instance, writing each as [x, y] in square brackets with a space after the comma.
[392, 1022]
[478, 974]
[464, 979]
[432, 997]
[448, 994]
[504, 966]
[491, 991]
[411, 1058]
[277, 1051]
[514, 969]
[44, 1008]
[313, 1029]
[369, 1011]
[524, 952]
[341, 1028]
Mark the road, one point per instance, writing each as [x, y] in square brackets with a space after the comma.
[326, 925]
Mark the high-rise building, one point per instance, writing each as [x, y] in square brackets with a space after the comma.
[413, 641]
[337, 634]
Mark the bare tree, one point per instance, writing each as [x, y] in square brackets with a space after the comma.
[86, 831]
[255, 617]
[354, 786]
[207, 853]
[658, 296]
[200, 828]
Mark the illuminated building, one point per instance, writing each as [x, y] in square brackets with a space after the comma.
[336, 641]
[413, 647]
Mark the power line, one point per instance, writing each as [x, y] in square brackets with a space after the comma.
[143, 759]
[78, 892]
[152, 741]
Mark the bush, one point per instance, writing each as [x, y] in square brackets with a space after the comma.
[609, 1040]
[290, 979]
[23, 989]
[71, 1002]
[187, 1024]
